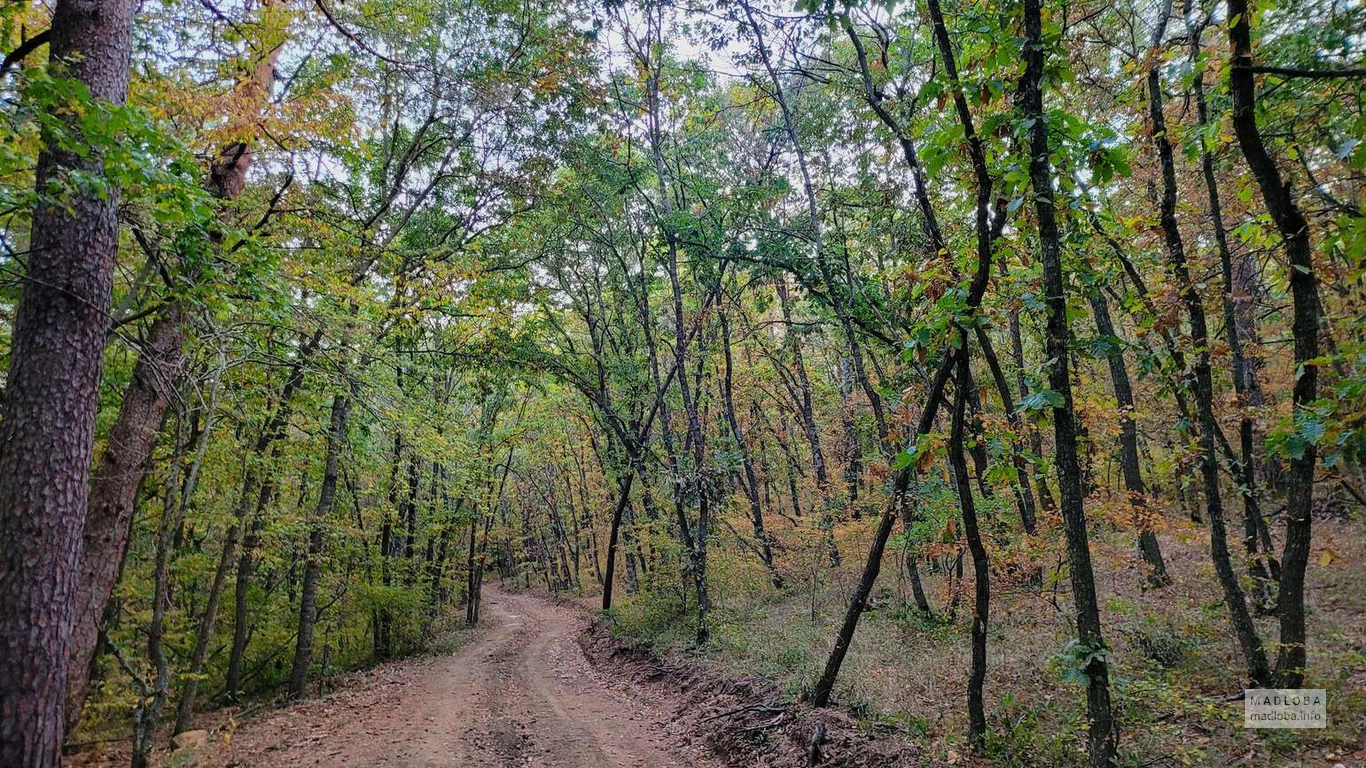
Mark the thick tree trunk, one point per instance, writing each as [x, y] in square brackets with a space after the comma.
[47, 430]
[1294, 230]
[114, 488]
[1101, 741]
[132, 437]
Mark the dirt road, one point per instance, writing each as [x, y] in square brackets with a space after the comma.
[520, 694]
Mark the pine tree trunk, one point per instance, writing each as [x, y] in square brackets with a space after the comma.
[47, 430]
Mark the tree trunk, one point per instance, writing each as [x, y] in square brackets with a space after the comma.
[1294, 230]
[749, 481]
[1148, 546]
[47, 430]
[813, 434]
[1046, 502]
[172, 516]
[1091, 651]
[825, 686]
[977, 722]
[1238, 329]
[327, 501]
[161, 359]
[623, 498]
[1246, 631]
[205, 631]
[1024, 497]
[246, 570]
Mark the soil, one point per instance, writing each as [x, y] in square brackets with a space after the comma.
[747, 723]
[541, 685]
[521, 693]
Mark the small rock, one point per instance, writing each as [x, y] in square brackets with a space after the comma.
[191, 739]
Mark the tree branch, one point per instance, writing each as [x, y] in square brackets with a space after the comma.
[24, 49]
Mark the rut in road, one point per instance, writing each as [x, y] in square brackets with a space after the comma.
[520, 694]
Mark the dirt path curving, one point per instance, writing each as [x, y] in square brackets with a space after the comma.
[520, 694]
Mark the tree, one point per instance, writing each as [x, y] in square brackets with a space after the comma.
[47, 428]
[1090, 650]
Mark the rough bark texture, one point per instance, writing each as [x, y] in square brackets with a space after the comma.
[1294, 230]
[132, 437]
[1101, 741]
[47, 430]
[115, 485]
[1046, 502]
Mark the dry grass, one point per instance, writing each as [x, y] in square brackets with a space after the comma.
[1174, 660]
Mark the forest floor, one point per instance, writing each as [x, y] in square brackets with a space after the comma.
[519, 693]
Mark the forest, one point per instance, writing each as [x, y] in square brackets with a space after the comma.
[990, 374]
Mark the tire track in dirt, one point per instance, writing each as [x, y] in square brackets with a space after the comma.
[520, 694]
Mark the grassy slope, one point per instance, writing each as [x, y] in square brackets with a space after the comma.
[1174, 658]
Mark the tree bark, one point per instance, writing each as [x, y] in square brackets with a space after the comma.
[47, 430]
[1294, 231]
[623, 499]
[1239, 329]
[1148, 546]
[327, 501]
[1101, 740]
[132, 438]
[1254, 655]
[977, 721]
